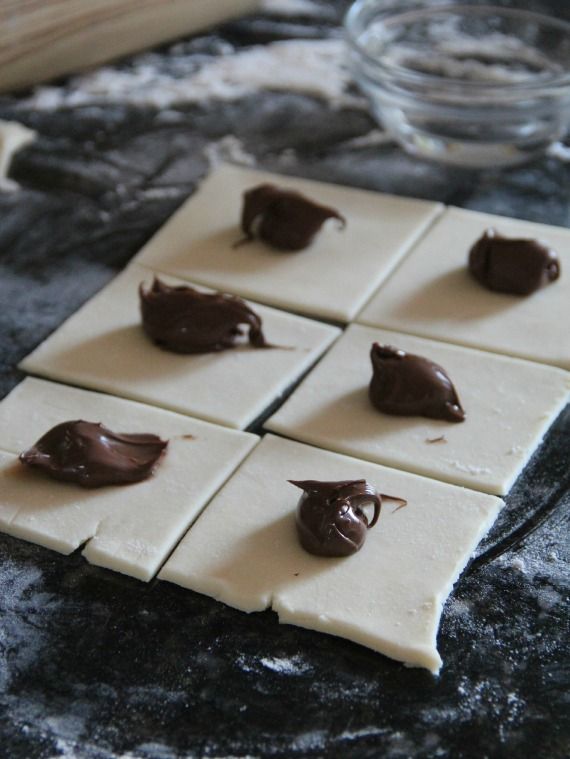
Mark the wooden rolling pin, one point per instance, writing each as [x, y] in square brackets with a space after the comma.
[42, 39]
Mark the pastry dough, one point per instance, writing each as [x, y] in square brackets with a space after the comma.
[103, 347]
[244, 551]
[432, 294]
[131, 528]
[196, 244]
[13, 137]
[509, 405]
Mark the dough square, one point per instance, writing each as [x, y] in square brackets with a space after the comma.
[509, 405]
[102, 346]
[197, 244]
[432, 294]
[244, 551]
[129, 528]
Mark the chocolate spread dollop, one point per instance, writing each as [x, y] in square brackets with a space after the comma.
[91, 455]
[184, 320]
[509, 265]
[407, 385]
[330, 520]
[285, 219]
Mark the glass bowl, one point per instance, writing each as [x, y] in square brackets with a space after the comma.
[467, 84]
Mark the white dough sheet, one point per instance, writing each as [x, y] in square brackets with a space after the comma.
[331, 279]
[103, 346]
[128, 528]
[244, 551]
[433, 295]
[509, 405]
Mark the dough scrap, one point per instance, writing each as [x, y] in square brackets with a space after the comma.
[132, 528]
[433, 295]
[509, 405]
[197, 244]
[244, 551]
[102, 346]
[13, 137]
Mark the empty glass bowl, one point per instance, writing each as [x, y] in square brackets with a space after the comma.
[467, 84]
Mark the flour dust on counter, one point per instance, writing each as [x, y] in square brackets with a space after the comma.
[293, 666]
[20, 643]
[311, 67]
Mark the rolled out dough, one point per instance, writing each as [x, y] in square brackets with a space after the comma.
[103, 347]
[509, 405]
[130, 529]
[243, 551]
[196, 244]
[433, 295]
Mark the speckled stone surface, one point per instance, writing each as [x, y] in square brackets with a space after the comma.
[96, 665]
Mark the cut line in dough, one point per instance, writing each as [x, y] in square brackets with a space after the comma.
[103, 346]
[244, 551]
[509, 405]
[197, 244]
[433, 295]
[132, 528]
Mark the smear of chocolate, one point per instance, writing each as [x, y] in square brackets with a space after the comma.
[184, 320]
[92, 456]
[285, 219]
[407, 385]
[330, 520]
[514, 266]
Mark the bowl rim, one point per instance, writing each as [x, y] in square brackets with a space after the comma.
[403, 74]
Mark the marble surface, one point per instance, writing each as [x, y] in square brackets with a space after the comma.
[96, 665]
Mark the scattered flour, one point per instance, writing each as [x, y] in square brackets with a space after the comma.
[312, 67]
[155, 193]
[537, 559]
[310, 741]
[151, 750]
[474, 699]
[68, 732]
[519, 565]
[363, 732]
[549, 598]
[560, 151]
[228, 149]
[294, 665]
[374, 138]
[22, 601]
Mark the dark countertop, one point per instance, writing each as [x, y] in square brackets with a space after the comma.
[97, 665]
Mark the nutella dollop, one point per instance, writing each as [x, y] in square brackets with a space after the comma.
[506, 265]
[285, 219]
[92, 456]
[407, 385]
[184, 320]
[330, 520]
